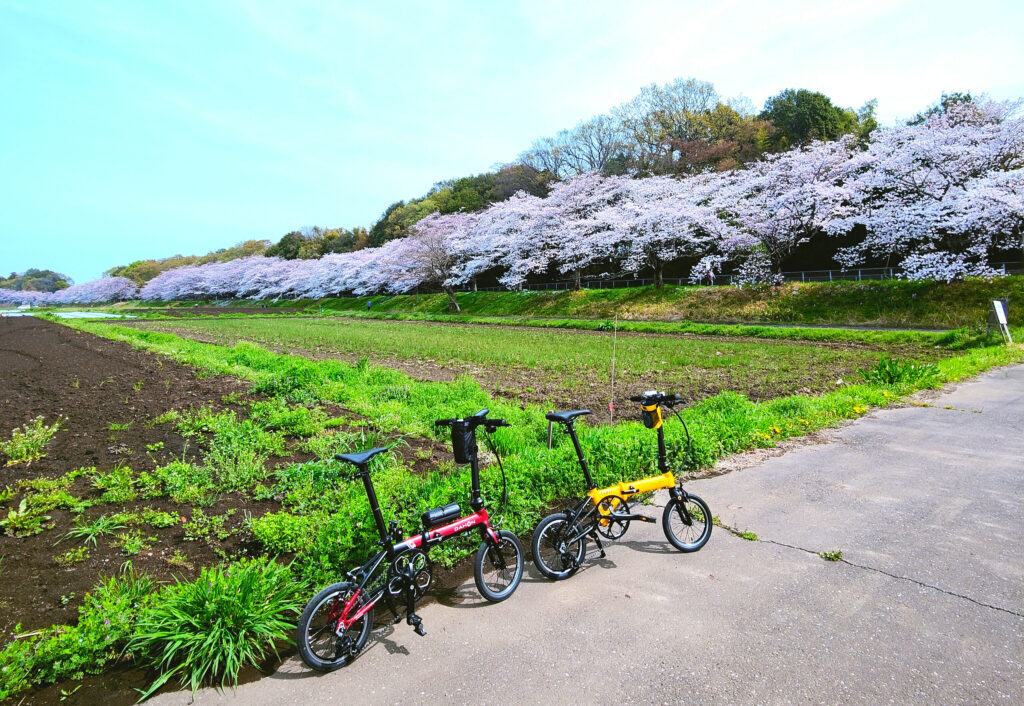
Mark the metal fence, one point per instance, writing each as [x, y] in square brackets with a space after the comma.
[850, 274]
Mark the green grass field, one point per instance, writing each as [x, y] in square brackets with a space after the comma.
[558, 367]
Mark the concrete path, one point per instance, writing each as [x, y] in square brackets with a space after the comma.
[927, 606]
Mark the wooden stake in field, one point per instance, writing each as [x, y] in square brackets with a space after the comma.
[611, 401]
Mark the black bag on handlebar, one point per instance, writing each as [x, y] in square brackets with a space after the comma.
[652, 418]
[463, 442]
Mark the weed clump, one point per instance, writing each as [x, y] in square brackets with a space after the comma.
[897, 372]
[27, 442]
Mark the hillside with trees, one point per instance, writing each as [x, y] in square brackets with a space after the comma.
[937, 199]
[141, 271]
[33, 280]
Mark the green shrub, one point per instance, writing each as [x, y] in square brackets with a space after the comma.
[187, 483]
[25, 521]
[27, 442]
[118, 485]
[300, 422]
[207, 630]
[282, 532]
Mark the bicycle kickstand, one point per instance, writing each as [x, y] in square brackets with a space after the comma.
[599, 545]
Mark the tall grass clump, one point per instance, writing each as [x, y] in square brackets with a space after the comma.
[204, 632]
[899, 373]
[27, 442]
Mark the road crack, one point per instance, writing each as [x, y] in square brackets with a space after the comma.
[750, 536]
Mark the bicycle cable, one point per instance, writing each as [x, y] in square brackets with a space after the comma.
[689, 441]
[504, 480]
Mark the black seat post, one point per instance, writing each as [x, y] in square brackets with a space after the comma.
[570, 429]
[662, 453]
[371, 495]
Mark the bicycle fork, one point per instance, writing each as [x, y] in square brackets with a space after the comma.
[681, 495]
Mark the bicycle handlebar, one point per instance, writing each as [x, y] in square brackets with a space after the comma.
[473, 421]
[653, 397]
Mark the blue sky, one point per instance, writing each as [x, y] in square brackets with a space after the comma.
[140, 129]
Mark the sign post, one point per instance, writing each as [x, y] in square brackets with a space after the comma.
[997, 319]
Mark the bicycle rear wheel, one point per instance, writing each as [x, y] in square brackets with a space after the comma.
[687, 523]
[554, 557]
[320, 647]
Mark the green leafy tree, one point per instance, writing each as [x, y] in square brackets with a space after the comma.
[947, 101]
[287, 247]
[801, 116]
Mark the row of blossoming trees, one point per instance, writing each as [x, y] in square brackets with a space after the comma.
[98, 291]
[937, 199]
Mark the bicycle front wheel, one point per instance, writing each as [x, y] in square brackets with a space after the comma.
[499, 567]
[687, 523]
[320, 647]
[554, 557]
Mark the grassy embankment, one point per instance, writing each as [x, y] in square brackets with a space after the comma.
[887, 303]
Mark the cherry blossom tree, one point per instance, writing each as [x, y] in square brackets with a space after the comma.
[940, 196]
[502, 238]
[565, 233]
[779, 202]
[98, 291]
[431, 256]
[662, 219]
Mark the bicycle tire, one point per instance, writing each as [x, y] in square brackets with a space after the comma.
[543, 540]
[674, 523]
[341, 591]
[485, 556]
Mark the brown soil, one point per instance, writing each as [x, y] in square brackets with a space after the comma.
[50, 370]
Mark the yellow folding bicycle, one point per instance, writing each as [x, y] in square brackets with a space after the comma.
[560, 540]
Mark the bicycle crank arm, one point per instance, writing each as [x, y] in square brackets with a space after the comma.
[619, 518]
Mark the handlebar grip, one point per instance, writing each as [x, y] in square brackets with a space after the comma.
[637, 398]
[493, 424]
[443, 422]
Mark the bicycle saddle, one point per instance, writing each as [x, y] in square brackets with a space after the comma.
[362, 458]
[565, 417]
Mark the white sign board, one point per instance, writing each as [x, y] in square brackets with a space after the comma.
[1000, 312]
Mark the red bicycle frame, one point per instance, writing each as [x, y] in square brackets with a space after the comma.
[425, 538]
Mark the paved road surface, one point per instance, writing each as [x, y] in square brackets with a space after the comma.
[926, 504]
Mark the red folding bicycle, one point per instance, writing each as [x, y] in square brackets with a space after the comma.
[336, 624]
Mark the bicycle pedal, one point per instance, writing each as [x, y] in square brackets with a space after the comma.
[417, 625]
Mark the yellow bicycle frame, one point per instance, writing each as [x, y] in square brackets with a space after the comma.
[618, 492]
